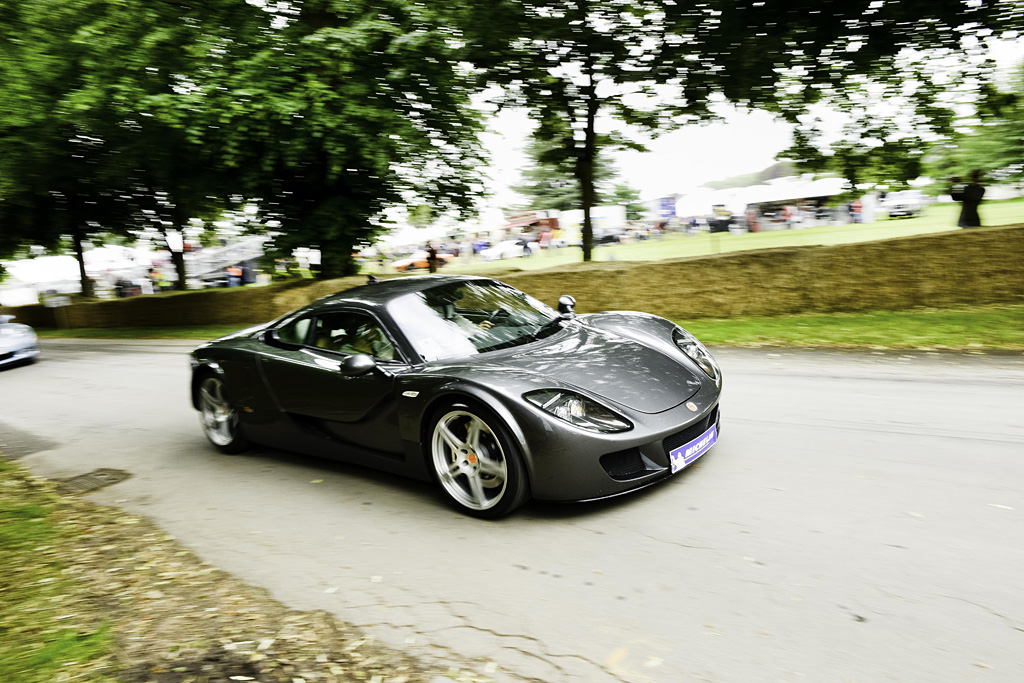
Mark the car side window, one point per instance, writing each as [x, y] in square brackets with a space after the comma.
[295, 332]
[351, 332]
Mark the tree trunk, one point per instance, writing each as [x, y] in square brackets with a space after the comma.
[585, 161]
[336, 261]
[87, 288]
[178, 259]
[178, 255]
[586, 174]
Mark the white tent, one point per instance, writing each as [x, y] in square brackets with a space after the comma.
[792, 189]
[44, 269]
[700, 202]
[25, 279]
[117, 259]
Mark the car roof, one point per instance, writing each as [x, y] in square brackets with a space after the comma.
[381, 292]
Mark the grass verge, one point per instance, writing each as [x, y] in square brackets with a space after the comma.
[979, 328]
[982, 327]
[45, 635]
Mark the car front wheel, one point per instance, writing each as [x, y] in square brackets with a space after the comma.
[219, 416]
[476, 462]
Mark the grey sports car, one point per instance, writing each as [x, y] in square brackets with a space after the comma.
[18, 343]
[471, 383]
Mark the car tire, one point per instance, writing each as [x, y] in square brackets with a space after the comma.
[475, 461]
[219, 416]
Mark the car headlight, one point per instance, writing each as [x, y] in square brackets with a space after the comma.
[689, 345]
[578, 410]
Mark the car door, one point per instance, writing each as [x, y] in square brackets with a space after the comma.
[305, 378]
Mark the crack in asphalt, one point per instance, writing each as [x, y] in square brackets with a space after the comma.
[420, 603]
[545, 654]
[894, 596]
[676, 543]
[1008, 620]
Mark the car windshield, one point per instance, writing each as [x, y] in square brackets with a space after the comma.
[466, 318]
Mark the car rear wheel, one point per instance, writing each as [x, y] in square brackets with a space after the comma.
[219, 417]
[476, 462]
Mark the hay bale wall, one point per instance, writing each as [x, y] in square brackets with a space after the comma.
[967, 267]
[980, 266]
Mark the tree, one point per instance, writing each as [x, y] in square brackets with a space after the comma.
[658, 64]
[81, 151]
[323, 112]
[54, 170]
[630, 198]
[336, 111]
[549, 180]
[995, 143]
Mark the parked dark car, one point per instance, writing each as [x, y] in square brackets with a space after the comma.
[470, 383]
[604, 236]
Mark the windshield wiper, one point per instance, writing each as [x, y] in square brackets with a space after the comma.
[548, 328]
[545, 330]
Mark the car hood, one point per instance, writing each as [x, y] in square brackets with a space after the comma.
[608, 365]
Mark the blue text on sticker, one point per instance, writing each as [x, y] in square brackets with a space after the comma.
[688, 452]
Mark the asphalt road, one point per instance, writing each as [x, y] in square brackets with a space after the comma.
[861, 519]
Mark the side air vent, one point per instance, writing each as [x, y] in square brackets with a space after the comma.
[624, 465]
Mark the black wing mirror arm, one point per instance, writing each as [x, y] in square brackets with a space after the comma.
[273, 337]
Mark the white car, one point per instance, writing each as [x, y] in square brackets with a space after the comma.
[506, 249]
[17, 342]
[904, 203]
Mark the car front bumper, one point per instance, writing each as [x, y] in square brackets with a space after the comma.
[8, 357]
[568, 464]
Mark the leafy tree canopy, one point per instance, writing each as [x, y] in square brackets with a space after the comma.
[141, 114]
[992, 142]
[335, 111]
[80, 151]
[884, 145]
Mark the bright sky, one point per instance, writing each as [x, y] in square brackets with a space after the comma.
[677, 161]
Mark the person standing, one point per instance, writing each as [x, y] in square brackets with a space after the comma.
[431, 258]
[856, 207]
[970, 197]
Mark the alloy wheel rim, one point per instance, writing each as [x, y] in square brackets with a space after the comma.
[218, 417]
[469, 460]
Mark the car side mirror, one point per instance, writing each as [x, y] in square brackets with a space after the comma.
[567, 306]
[357, 365]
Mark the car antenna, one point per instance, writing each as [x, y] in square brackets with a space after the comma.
[371, 279]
